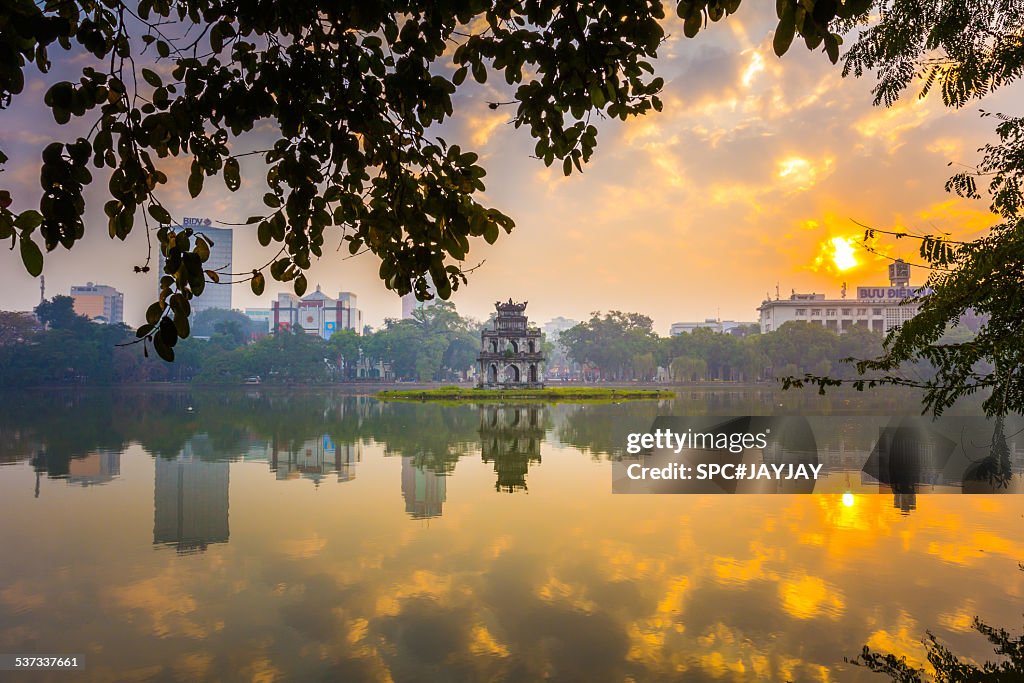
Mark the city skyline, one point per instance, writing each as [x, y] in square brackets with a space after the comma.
[663, 220]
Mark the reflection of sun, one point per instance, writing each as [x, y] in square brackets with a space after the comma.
[843, 255]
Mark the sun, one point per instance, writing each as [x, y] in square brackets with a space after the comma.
[843, 254]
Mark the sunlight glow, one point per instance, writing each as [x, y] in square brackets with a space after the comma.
[843, 255]
[848, 499]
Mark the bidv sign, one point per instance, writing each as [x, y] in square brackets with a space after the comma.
[196, 222]
[891, 293]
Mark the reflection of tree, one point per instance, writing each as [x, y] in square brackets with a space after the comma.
[601, 429]
[948, 667]
[54, 427]
[510, 437]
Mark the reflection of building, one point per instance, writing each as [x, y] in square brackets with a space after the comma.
[214, 295]
[99, 467]
[424, 490]
[877, 308]
[317, 313]
[317, 458]
[510, 437]
[510, 353]
[190, 502]
[100, 303]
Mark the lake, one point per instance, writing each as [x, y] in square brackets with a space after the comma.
[322, 535]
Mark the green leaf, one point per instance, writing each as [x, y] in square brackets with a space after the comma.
[153, 313]
[785, 31]
[195, 180]
[258, 283]
[152, 78]
[202, 249]
[162, 349]
[29, 220]
[31, 257]
[491, 232]
[300, 285]
[181, 325]
[160, 214]
[232, 177]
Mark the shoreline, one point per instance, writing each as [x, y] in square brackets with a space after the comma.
[471, 394]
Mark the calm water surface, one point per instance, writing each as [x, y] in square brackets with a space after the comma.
[300, 536]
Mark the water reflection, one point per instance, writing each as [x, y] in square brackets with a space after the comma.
[299, 560]
[510, 439]
[99, 467]
[423, 490]
[190, 502]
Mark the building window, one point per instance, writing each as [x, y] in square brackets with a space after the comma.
[801, 311]
[846, 311]
[862, 311]
[876, 311]
[831, 313]
[815, 311]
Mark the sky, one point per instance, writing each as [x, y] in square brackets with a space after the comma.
[749, 180]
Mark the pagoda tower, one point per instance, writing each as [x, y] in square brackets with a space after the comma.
[510, 354]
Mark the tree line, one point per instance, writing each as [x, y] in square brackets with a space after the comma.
[57, 346]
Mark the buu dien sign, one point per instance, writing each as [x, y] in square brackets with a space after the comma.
[891, 293]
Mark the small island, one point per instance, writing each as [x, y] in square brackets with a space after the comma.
[511, 368]
[550, 394]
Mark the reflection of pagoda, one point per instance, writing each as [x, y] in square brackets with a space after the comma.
[510, 355]
[424, 490]
[190, 502]
[510, 438]
[317, 458]
[99, 467]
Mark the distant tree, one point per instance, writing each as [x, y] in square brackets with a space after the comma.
[16, 327]
[345, 347]
[58, 313]
[611, 342]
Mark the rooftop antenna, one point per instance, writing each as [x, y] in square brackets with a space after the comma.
[776, 290]
[42, 288]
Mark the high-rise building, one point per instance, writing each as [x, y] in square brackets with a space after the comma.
[215, 295]
[317, 313]
[190, 502]
[99, 303]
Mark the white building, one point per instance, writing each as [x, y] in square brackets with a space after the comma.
[713, 324]
[317, 313]
[880, 309]
[100, 303]
[214, 295]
